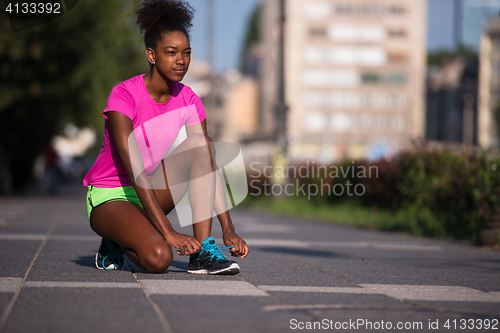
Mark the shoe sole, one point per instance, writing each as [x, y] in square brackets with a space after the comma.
[231, 270]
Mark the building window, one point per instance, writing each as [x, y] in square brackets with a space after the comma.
[371, 56]
[315, 121]
[356, 33]
[329, 78]
[369, 78]
[341, 122]
[317, 10]
[369, 10]
[396, 57]
[396, 10]
[396, 78]
[393, 102]
[393, 78]
[396, 33]
[347, 56]
[317, 32]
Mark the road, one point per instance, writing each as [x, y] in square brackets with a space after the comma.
[300, 274]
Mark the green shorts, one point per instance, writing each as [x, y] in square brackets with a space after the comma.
[99, 195]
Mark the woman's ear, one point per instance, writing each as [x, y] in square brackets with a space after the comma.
[150, 55]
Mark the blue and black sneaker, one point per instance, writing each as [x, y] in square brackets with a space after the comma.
[109, 256]
[211, 260]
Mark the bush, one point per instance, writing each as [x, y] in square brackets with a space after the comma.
[442, 193]
[461, 190]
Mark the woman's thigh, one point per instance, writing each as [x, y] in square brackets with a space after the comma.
[128, 225]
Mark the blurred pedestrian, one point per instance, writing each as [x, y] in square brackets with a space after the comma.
[51, 170]
[5, 174]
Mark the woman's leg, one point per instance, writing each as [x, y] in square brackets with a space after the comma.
[128, 225]
[190, 166]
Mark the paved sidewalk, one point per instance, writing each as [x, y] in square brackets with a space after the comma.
[298, 273]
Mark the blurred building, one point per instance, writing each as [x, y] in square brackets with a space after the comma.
[452, 102]
[472, 16]
[489, 86]
[239, 95]
[354, 75]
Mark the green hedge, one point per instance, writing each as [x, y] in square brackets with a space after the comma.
[442, 193]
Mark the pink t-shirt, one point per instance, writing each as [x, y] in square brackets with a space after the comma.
[156, 125]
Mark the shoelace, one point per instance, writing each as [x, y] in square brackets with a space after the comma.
[115, 255]
[216, 251]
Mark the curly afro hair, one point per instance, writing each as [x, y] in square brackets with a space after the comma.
[155, 17]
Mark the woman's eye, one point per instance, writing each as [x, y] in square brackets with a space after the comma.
[188, 53]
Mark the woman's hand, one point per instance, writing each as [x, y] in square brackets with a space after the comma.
[186, 244]
[240, 248]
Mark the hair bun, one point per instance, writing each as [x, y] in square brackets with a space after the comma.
[157, 16]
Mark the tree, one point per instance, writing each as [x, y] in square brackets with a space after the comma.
[62, 72]
[252, 37]
[440, 57]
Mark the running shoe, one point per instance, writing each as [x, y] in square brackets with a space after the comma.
[109, 256]
[211, 260]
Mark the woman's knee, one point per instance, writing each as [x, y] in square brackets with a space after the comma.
[158, 258]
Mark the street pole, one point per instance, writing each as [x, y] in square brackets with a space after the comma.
[210, 47]
[281, 109]
[280, 153]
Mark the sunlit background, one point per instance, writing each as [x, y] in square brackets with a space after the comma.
[383, 82]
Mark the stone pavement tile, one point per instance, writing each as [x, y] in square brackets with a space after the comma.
[82, 310]
[79, 227]
[386, 251]
[28, 224]
[27, 215]
[372, 272]
[213, 314]
[377, 300]
[367, 319]
[73, 261]
[16, 256]
[471, 273]
[202, 288]
[470, 307]
[325, 253]
[4, 300]
[263, 267]
[487, 283]
[178, 271]
[313, 230]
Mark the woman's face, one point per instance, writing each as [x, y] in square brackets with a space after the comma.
[172, 56]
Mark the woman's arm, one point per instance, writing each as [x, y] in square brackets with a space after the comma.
[220, 205]
[121, 128]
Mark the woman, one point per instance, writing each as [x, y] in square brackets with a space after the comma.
[132, 186]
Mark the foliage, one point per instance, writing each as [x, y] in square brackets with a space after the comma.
[440, 193]
[252, 37]
[440, 57]
[62, 72]
[461, 188]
